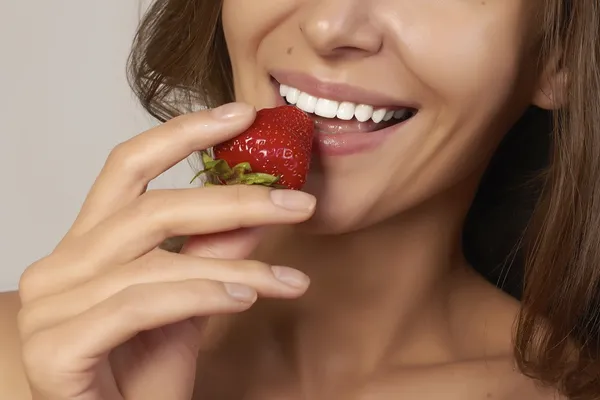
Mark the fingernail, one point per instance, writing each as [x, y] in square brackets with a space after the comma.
[290, 276]
[241, 292]
[293, 200]
[231, 110]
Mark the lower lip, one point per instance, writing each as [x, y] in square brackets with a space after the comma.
[344, 144]
[348, 143]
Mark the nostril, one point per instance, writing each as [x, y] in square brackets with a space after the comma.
[347, 53]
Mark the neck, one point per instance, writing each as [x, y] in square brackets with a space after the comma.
[389, 283]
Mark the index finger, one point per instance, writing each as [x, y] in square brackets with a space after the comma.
[134, 163]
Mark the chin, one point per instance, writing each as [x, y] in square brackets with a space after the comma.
[329, 221]
[339, 208]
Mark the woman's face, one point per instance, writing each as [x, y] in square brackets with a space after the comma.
[463, 69]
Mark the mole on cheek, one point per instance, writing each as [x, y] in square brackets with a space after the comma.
[290, 50]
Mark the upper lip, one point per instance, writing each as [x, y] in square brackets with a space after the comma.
[337, 91]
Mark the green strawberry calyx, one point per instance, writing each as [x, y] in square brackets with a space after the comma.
[219, 171]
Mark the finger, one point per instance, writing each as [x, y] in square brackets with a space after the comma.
[167, 213]
[225, 245]
[92, 334]
[143, 225]
[162, 266]
[134, 163]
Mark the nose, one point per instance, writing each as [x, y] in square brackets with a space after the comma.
[341, 28]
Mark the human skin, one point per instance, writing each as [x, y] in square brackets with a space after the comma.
[470, 65]
[393, 310]
[397, 274]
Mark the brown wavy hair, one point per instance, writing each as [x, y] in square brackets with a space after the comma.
[179, 61]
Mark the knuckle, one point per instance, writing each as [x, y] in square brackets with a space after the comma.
[208, 292]
[32, 280]
[26, 320]
[239, 195]
[26, 284]
[245, 196]
[125, 158]
[41, 277]
[257, 268]
[119, 154]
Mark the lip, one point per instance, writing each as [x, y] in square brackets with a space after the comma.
[337, 91]
[347, 143]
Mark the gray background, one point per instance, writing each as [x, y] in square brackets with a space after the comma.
[65, 103]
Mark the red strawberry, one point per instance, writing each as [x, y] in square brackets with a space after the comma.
[274, 151]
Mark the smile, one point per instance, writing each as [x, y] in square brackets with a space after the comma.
[345, 110]
[348, 120]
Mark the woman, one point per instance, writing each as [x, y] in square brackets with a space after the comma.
[394, 311]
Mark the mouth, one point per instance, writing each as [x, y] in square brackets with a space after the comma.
[344, 124]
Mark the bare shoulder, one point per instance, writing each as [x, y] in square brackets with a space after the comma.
[13, 384]
[499, 378]
[530, 390]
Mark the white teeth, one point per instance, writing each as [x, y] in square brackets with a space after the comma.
[379, 115]
[343, 110]
[283, 90]
[326, 108]
[306, 102]
[292, 95]
[363, 112]
[346, 111]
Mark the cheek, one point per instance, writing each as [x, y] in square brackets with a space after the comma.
[469, 61]
[461, 62]
[464, 63]
[238, 27]
[469, 77]
[245, 25]
[476, 87]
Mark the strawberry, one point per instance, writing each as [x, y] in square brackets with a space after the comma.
[275, 151]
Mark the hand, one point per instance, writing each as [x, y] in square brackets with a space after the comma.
[107, 315]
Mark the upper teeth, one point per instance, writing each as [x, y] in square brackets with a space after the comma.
[344, 110]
